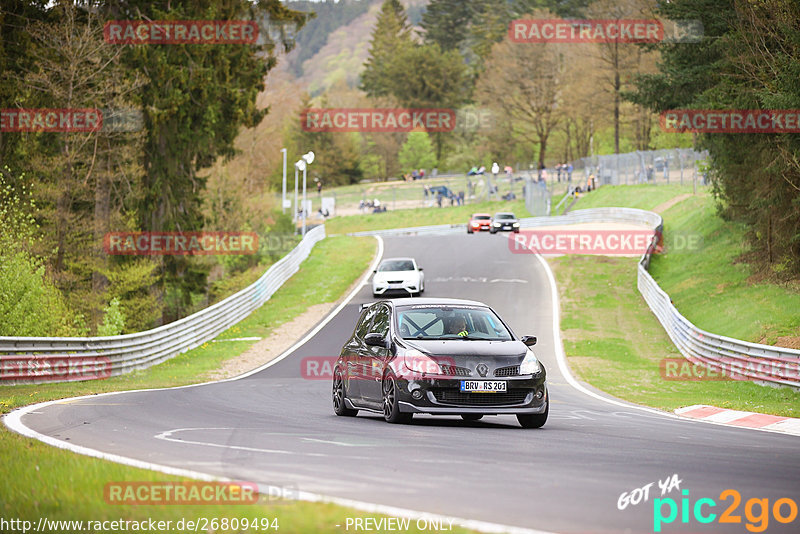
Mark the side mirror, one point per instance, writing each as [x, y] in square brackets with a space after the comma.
[420, 268]
[375, 270]
[529, 340]
[375, 340]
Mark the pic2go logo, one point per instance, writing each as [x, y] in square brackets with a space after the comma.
[756, 511]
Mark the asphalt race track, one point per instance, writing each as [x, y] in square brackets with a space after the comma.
[277, 427]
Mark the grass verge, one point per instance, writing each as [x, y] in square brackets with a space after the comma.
[40, 481]
[645, 196]
[614, 342]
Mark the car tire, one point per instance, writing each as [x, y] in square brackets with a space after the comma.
[339, 394]
[469, 230]
[471, 416]
[536, 420]
[391, 406]
[492, 231]
[516, 231]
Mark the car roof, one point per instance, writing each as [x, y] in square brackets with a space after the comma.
[417, 301]
[481, 215]
[398, 259]
[505, 213]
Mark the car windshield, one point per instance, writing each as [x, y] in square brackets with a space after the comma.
[396, 265]
[450, 322]
[504, 216]
[481, 217]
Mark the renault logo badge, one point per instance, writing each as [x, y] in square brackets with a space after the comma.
[482, 369]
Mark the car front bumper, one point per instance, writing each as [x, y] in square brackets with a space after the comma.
[405, 288]
[442, 396]
[506, 228]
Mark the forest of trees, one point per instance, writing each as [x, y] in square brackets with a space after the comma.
[63, 191]
[200, 107]
[547, 103]
[558, 102]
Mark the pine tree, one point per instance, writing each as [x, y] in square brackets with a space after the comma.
[446, 22]
[392, 33]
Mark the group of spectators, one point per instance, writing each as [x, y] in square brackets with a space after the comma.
[564, 169]
[443, 192]
[418, 174]
[374, 205]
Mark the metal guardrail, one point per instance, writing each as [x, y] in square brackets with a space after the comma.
[25, 360]
[761, 363]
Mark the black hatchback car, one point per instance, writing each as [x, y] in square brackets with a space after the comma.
[441, 357]
[504, 222]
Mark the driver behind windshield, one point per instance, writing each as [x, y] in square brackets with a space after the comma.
[457, 326]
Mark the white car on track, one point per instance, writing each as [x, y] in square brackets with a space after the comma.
[400, 275]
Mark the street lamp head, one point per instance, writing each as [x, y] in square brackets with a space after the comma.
[309, 157]
[301, 165]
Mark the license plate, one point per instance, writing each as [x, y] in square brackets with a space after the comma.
[483, 386]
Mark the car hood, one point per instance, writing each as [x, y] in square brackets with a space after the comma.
[395, 275]
[469, 353]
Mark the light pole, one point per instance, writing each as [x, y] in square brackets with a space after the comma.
[307, 159]
[283, 197]
[296, 167]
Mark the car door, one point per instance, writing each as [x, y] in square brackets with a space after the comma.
[375, 359]
[356, 349]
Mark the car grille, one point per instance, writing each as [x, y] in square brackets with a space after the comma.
[455, 397]
[512, 370]
[452, 370]
[394, 281]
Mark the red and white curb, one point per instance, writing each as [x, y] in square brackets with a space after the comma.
[760, 421]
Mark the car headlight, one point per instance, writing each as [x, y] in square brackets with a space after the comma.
[420, 363]
[530, 365]
[515, 224]
[497, 224]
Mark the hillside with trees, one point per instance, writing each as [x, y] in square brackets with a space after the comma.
[204, 153]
